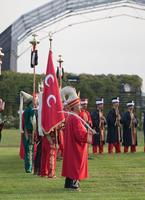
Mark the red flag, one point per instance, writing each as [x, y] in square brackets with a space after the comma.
[51, 101]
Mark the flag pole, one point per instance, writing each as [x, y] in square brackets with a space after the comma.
[56, 132]
[34, 43]
[50, 40]
[60, 71]
[1, 56]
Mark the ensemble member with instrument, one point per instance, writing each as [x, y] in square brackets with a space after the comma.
[99, 122]
[130, 128]
[114, 127]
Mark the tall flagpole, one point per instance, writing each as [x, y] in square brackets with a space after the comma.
[50, 40]
[56, 132]
[34, 62]
[60, 71]
[1, 56]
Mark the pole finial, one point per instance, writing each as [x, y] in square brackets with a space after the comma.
[50, 39]
[34, 42]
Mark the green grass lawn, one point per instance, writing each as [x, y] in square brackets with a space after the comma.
[112, 177]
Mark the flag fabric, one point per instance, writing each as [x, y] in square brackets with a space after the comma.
[51, 100]
[34, 58]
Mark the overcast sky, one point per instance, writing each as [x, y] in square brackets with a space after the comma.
[110, 46]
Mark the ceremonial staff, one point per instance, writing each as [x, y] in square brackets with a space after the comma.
[1, 56]
[34, 62]
[60, 71]
[55, 130]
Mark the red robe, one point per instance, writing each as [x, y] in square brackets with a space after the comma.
[61, 143]
[75, 160]
[85, 115]
[48, 158]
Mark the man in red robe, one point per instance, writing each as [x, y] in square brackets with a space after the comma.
[60, 134]
[76, 137]
[85, 115]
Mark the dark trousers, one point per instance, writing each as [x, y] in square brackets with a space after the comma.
[37, 161]
[28, 156]
[70, 183]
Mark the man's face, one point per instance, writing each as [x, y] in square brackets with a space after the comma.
[115, 105]
[77, 108]
[131, 108]
[84, 106]
[100, 106]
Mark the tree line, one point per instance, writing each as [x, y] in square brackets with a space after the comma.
[89, 86]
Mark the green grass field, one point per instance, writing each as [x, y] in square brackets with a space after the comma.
[112, 177]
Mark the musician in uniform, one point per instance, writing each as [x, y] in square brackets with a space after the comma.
[60, 133]
[85, 115]
[114, 127]
[27, 126]
[76, 137]
[48, 155]
[48, 147]
[38, 133]
[28, 136]
[99, 122]
[129, 128]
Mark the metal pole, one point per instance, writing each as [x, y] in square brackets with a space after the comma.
[34, 43]
[50, 40]
[60, 71]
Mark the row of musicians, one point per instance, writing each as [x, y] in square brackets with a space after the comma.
[114, 122]
[45, 147]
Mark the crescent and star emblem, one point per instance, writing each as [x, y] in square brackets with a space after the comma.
[49, 76]
[49, 98]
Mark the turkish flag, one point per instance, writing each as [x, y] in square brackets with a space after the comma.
[51, 100]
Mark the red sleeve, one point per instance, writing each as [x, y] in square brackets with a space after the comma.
[79, 131]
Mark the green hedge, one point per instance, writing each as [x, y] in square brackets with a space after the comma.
[90, 86]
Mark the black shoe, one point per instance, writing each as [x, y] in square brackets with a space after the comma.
[68, 183]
